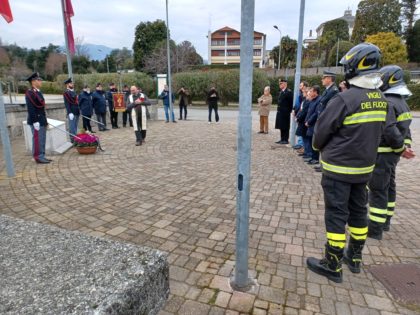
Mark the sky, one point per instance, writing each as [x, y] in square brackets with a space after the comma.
[112, 23]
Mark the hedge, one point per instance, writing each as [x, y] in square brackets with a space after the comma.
[136, 78]
[414, 100]
[226, 83]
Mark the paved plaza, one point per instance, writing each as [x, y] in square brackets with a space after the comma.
[177, 193]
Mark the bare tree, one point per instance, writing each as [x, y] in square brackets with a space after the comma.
[81, 49]
[54, 64]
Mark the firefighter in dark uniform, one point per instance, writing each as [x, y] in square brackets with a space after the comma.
[284, 109]
[347, 134]
[110, 99]
[395, 142]
[72, 107]
[37, 118]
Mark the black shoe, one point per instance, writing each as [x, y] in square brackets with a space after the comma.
[260, 132]
[91, 131]
[42, 161]
[131, 125]
[124, 125]
[49, 160]
[330, 265]
[284, 142]
[375, 230]
[174, 121]
[117, 127]
[387, 225]
[106, 129]
[279, 142]
[297, 147]
[353, 255]
[138, 143]
[313, 162]
[167, 121]
[179, 118]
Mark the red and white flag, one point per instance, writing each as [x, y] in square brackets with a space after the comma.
[68, 14]
[5, 10]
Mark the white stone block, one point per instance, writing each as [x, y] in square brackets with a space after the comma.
[57, 142]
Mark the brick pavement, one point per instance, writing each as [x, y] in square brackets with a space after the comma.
[177, 193]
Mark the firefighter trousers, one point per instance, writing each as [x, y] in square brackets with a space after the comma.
[382, 191]
[345, 203]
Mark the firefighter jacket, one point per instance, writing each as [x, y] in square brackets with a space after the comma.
[348, 132]
[396, 135]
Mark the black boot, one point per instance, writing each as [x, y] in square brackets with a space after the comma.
[387, 225]
[330, 265]
[353, 255]
[375, 230]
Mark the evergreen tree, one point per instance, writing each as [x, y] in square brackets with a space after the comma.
[374, 16]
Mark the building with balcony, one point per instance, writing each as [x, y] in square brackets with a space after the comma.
[225, 47]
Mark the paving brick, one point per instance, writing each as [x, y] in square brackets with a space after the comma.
[241, 302]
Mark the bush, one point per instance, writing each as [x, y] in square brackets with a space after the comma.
[139, 79]
[414, 100]
[48, 87]
[226, 83]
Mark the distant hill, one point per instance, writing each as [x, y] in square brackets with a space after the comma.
[97, 52]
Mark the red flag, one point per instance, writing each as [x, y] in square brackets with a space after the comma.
[68, 13]
[5, 10]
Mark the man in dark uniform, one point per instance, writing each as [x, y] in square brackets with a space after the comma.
[395, 142]
[347, 134]
[37, 118]
[127, 113]
[284, 108]
[99, 105]
[72, 107]
[85, 103]
[328, 81]
[110, 99]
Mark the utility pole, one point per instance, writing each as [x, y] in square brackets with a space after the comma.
[278, 66]
[68, 54]
[338, 49]
[171, 105]
[241, 281]
[298, 70]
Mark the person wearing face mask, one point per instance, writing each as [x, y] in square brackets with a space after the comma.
[99, 105]
[85, 103]
[37, 118]
[72, 107]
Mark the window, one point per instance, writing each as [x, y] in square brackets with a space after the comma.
[257, 41]
[218, 42]
[257, 52]
[235, 52]
[217, 53]
[234, 42]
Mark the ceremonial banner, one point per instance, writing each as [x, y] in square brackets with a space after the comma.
[119, 104]
[5, 10]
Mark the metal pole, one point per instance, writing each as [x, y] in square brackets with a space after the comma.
[279, 63]
[241, 281]
[298, 69]
[171, 106]
[336, 57]
[68, 55]
[107, 64]
[7, 150]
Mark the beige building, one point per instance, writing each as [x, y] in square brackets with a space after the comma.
[224, 47]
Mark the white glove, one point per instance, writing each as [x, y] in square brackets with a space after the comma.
[36, 126]
[71, 116]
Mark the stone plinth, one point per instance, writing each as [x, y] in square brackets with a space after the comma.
[56, 143]
[46, 270]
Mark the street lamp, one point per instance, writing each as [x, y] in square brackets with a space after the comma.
[107, 64]
[278, 66]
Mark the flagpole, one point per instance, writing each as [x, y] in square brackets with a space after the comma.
[7, 150]
[68, 54]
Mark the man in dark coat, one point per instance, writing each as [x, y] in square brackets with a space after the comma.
[85, 104]
[284, 108]
[328, 81]
[310, 121]
[110, 99]
[99, 105]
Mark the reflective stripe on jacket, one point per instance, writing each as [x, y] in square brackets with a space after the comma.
[347, 133]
